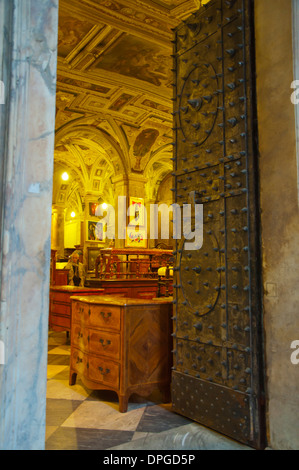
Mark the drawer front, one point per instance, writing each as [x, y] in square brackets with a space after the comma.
[78, 310]
[103, 316]
[104, 344]
[79, 362]
[99, 316]
[58, 320]
[79, 337]
[63, 309]
[60, 296]
[103, 371]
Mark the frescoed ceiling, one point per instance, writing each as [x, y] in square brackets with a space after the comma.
[114, 79]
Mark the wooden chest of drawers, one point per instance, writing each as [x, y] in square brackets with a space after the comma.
[122, 344]
[60, 305]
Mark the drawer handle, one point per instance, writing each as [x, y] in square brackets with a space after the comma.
[80, 335]
[106, 314]
[89, 312]
[102, 371]
[107, 342]
[79, 360]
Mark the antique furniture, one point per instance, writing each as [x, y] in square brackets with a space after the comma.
[52, 267]
[121, 344]
[61, 277]
[165, 280]
[58, 277]
[128, 263]
[140, 288]
[60, 305]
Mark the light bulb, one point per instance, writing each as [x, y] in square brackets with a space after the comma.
[73, 214]
[65, 176]
[104, 205]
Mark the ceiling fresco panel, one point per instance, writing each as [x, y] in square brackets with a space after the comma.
[70, 32]
[135, 57]
[114, 77]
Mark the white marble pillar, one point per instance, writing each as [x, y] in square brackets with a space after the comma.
[28, 31]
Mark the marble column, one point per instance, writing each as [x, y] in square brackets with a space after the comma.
[57, 230]
[28, 45]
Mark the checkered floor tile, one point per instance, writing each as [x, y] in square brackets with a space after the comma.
[78, 418]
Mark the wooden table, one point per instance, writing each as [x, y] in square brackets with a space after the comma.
[60, 305]
[122, 344]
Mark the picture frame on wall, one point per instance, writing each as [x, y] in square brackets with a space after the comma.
[136, 213]
[94, 231]
[92, 254]
[92, 208]
[136, 238]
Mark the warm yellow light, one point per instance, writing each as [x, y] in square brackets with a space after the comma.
[104, 205]
[65, 176]
[73, 214]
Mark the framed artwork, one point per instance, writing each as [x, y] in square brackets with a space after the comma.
[94, 231]
[92, 254]
[136, 214]
[136, 238]
[92, 208]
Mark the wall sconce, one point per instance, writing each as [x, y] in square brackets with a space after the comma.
[65, 176]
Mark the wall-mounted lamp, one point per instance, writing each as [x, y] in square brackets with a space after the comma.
[73, 214]
[65, 176]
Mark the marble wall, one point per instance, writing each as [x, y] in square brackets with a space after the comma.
[279, 216]
[30, 31]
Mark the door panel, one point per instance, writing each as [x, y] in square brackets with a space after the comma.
[217, 377]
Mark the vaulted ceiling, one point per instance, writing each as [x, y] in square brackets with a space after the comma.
[114, 90]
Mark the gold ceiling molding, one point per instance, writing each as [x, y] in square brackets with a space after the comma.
[83, 54]
[156, 26]
[114, 90]
[185, 9]
[97, 137]
[123, 103]
[104, 79]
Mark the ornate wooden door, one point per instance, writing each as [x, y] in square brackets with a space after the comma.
[217, 378]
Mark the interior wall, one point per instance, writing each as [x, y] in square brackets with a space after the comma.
[72, 233]
[279, 216]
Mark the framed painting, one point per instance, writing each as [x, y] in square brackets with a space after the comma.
[94, 231]
[136, 212]
[136, 238]
[92, 254]
[92, 208]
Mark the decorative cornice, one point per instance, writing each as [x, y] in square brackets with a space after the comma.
[155, 27]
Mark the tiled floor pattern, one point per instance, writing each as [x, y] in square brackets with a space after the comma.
[78, 418]
[81, 419]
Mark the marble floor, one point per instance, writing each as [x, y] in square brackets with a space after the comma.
[81, 419]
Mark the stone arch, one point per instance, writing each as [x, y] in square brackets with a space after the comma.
[157, 168]
[92, 155]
